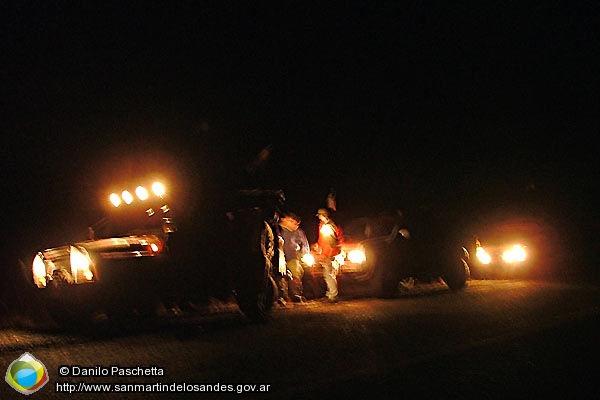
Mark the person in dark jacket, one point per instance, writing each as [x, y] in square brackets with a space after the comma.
[295, 246]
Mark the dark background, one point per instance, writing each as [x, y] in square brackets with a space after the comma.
[459, 106]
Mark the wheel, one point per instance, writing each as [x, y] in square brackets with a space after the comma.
[66, 304]
[256, 305]
[385, 276]
[385, 282]
[457, 275]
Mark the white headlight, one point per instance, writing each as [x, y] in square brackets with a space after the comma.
[158, 189]
[141, 193]
[127, 197]
[308, 259]
[115, 199]
[483, 255]
[515, 254]
[38, 268]
[357, 256]
[80, 262]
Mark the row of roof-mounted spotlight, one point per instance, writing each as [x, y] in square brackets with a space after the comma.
[157, 189]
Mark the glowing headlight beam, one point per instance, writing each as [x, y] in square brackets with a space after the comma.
[39, 271]
[141, 193]
[115, 199]
[357, 256]
[308, 259]
[80, 262]
[515, 254]
[339, 259]
[127, 197]
[483, 255]
[158, 189]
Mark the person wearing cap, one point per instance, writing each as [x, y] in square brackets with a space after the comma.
[328, 246]
[295, 245]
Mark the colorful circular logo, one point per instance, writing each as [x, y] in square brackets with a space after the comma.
[26, 374]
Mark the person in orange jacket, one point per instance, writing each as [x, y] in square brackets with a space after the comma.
[329, 245]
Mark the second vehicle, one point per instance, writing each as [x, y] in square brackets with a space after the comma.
[381, 251]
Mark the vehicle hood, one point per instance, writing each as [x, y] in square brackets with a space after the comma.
[116, 247]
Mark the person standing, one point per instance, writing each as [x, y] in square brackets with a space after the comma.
[328, 246]
[295, 246]
[281, 276]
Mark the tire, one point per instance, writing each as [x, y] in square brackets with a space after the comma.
[385, 282]
[257, 305]
[385, 275]
[456, 275]
[66, 304]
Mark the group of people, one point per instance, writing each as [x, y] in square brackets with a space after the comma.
[293, 245]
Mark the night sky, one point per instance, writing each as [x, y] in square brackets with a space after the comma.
[389, 102]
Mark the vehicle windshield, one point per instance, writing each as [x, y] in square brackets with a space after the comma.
[367, 228]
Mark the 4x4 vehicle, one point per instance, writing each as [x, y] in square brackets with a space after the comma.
[157, 261]
[380, 251]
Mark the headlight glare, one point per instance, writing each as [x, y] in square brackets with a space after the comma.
[515, 254]
[339, 259]
[127, 197]
[158, 189]
[357, 256]
[115, 199]
[141, 193]
[483, 255]
[308, 259]
[38, 269]
[80, 262]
